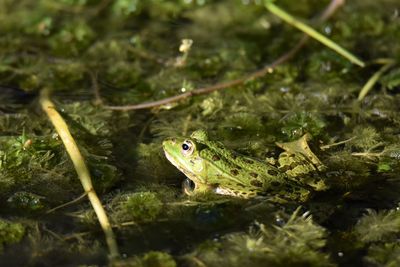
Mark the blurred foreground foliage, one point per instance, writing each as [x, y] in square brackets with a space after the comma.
[296, 242]
[131, 48]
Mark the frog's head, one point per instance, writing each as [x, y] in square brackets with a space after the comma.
[184, 153]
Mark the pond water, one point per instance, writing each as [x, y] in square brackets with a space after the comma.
[101, 60]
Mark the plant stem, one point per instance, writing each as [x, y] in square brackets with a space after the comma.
[312, 33]
[374, 78]
[81, 169]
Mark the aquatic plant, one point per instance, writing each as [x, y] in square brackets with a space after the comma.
[124, 75]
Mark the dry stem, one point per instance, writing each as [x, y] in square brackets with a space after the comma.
[81, 169]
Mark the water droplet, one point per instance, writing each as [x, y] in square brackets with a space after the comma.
[284, 89]
[328, 30]
[279, 221]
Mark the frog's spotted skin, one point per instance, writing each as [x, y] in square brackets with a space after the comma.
[299, 168]
[211, 166]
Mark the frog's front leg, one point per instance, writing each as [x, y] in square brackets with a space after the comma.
[190, 188]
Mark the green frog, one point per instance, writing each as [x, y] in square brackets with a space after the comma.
[213, 167]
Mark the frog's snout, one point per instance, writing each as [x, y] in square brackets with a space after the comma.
[169, 141]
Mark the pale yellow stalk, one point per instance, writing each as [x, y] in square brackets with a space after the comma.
[81, 169]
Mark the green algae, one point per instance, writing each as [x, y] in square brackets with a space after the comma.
[132, 49]
[150, 259]
[140, 206]
[10, 232]
[293, 241]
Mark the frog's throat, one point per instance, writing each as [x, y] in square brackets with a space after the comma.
[191, 175]
[233, 193]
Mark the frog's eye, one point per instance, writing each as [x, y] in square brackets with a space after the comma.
[187, 148]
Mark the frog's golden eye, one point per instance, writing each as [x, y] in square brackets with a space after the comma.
[187, 148]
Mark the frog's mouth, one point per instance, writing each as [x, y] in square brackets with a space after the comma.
[172, 159]
[179, 163]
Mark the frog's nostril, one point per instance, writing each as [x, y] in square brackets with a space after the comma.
[169, 141]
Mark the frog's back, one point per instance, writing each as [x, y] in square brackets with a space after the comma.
[236, 174]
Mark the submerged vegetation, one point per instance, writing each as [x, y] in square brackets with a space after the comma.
[98, 55]
[295, 241]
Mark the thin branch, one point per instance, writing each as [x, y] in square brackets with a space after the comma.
[76, 236]
[337, 143]
[312, 33]
[81, 169]
[96, 90]
[328, 12]
[67, 204]
[374, 79]
[367, 154]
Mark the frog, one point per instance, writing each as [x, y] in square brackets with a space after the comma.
[212, 167]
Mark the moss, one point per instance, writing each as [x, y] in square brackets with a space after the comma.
[71, 74]
[381, 226]
[384, 255]
[125, 8]
[366, 138]
[72, 38]
[10, 233]
[25, 161]
[158, 259]
[150, 259]
[244, 121]
[132, 48]
[296, 242]
[140, 207]
[378, 232]
[296, 125]
[26, 202]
